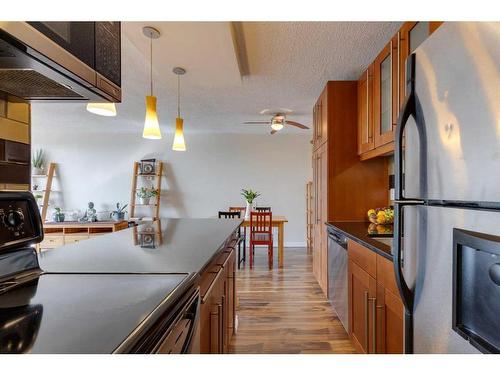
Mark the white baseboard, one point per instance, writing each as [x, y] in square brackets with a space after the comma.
[296, 244]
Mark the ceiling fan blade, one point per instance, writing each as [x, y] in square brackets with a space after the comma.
[273, 131]
[257, 122]
[297, 124]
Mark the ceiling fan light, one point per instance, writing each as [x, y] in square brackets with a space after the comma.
[151, 124]
[102, 109]
[179, 144]
[276, 124]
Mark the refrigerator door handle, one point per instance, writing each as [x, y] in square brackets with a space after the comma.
[409, 109]
[407, 296]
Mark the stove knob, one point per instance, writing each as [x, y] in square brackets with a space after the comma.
[13, 219]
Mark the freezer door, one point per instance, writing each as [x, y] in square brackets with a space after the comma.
[428, 244]
[457, 80]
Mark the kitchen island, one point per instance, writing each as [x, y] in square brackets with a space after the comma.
[166, 286]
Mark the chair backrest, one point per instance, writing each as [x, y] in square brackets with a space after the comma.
[229, 214]
[238, 208]
[261, 222]
[263, 209]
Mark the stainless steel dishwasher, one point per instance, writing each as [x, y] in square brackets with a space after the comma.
[337, 275]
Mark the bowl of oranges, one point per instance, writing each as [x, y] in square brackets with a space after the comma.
[384, 215]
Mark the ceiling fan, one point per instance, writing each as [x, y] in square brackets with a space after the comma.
[277, 122]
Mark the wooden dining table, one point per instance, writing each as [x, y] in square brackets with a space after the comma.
[278, 222]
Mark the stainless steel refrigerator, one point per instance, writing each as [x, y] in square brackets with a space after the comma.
[447, 207]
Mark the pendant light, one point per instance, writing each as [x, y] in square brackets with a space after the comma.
[179, 144]
[151, 124]
[102, 109]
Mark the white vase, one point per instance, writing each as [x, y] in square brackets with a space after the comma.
[144, 200]
[37, 171]
[247, 211]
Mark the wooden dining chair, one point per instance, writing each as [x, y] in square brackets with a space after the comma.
[236, 215]
[263, 209]
[242, 210]
[261, 233]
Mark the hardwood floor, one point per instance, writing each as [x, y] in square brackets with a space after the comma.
[284, 310]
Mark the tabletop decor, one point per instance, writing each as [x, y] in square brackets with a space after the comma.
[119, 213]
[249, 196]
[58, 215]
[90, 214]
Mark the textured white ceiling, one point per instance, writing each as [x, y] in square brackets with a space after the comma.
[289, 64]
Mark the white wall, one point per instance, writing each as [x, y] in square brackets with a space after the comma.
[208, 177]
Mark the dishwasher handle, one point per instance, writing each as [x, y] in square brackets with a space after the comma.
[338, 239]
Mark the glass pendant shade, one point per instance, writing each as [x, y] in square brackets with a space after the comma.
[151, 124]
[179, 144]
[102, 109]
[277, 124]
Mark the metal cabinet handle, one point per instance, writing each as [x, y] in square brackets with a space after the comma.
[366, 322]
[220, 311]
[223, 325]
[373, 300]
[369, 128]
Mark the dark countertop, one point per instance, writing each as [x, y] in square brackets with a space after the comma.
[94, 294]
[186, 246]
[80, 313]
[358, 231]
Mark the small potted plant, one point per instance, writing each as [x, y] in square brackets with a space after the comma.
[249, 196]
[38, 198]
[119, 213]
[37, 162]
[145, 194]
[58, 215]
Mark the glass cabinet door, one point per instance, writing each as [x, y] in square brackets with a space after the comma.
[383, 96]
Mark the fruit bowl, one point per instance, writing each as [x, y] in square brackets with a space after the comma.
[384, 215]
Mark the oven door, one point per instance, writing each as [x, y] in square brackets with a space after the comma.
[183, 335]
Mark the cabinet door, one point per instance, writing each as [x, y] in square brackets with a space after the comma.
[411, 35]
[324, 217]
[365, 112]
[362, 293]
[324, 115]
[389, 318]
[316, 214]
[384, 79]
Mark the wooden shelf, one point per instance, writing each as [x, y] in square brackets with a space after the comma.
[155, 207]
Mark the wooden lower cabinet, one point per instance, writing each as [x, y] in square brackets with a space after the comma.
[375, 308]
[389, 318]
[362, 291]
[218, 304]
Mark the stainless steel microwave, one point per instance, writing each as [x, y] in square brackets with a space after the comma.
[61, 61]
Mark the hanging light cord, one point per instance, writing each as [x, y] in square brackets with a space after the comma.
[178, 96]
[151, 61]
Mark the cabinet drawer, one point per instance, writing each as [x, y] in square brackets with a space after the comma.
[75, 238]
[51, 242]
[363, 257]
[385, 274]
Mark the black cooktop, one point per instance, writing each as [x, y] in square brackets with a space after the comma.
[71, 313]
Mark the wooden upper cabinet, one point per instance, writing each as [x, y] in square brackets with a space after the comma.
[411, 35]
[320, 120]
[365, 111]
[384, 76]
